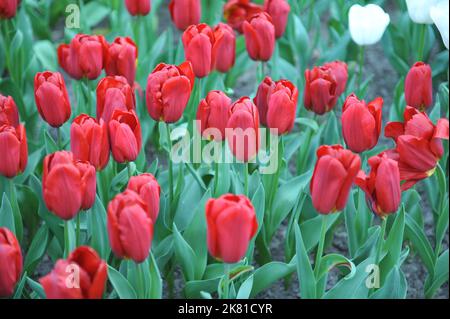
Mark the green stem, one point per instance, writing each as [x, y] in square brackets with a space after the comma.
[380, 240]
[246, 178]
[361, 67]
[170, 169]
[216, 178]
[87, 95]
[423, 29]
[140, 281]
[58, 138]
[66, 238]
[319, 254]
[130, 173]
[77, 243]
[226, 282]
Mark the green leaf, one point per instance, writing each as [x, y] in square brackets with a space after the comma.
[304, 269]
[420, 243]
[245, 289]
[121, 285]
[393, 244]
[37, 248]
[439, 277]
[97, 229]
[395, 286]
[36, 287]
[20, 285]
[155, 279]
[50, 144]
[185, 255]
[94, 13]
[46, 55]
[6, 214]
[269, 273]
[335, 260]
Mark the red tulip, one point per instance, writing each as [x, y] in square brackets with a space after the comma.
[51, 98]
[320, 90]
[277, 104]
[259, 33]
[242, 130]
[334, 173]
[14, 150]
[148, 188]
[83, 57]
[121, 59]
[10, 262]
[68, 185]
[382, 186]
[361, 123]
[213, 113]
[419, 86]
[8, 111]
[232, 223]
[419, 145]
[81, 276]
[340, 72]
[168, 91]
[114, 93]
[138, 7]
[185, 12]
[8, 8]
[224, 48]
[198, 41]
[125, 136]
[130, 226]
[89, 140]
[238, 11]
[279, 11]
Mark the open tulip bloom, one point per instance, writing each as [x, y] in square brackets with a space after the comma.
[215, 149]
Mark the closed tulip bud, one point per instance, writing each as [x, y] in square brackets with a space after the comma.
[382, 186]
[148, 188]
[81, 276]
[138, 7]
[237, 11]
[14, 150]
[419, 145]
[334, 174]
[83, 57]
[231, 225]
[419, 10]
[10, 262]
[361, 123]
[169, 88]
[51, 98]
[261, 99]
[213, 113]
[121, 59]
[125, 136]
[279, 11]
[185, 12]
[130, 226]
[9, 114]
[114, 93]
[224, 48]
[242, 130]
[340, 72]
[68, 185]
[419, 86]
[198, 41]
[89, 141]
[259, 33]
[439, 15]
[367, 24]
[8, 8]
[320, 90]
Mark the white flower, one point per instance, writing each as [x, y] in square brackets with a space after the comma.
[419, 10]
[367, 24]
[439, 15]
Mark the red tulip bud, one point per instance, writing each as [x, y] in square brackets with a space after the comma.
[419, 86]
[340, 72]
[125, 136]
[320, 90]
[148, 188]
[237, 11]
[213, 113]
[279, 11]
[259, 33]
[198, 41]
[224, 48]
[8, 8]
[14, 150]
[121, 59]
[138, 7]
[185, 12]
[10, 262]
[8, 111]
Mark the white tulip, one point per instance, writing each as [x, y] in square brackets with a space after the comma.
[439, 15]
[419, 10]
[367, 24]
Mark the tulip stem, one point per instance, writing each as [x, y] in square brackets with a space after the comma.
[323, 232]
[216, 177]
[423, 29]
[226, 282]
[170, 169]
[130, 173]
[66, 239]
[58, 138]
[246, 178]
[380, 240]
[77, 242]
[361, 67]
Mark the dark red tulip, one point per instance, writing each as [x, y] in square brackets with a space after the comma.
[242, 130]
[8, 8]
[121, 59]
[198, 41]
[68, 185]
[169, 88]
[382, 186]
[213, 113]
[237, 11]
[361, 123]
[279, 11]
[232, 223]
[89, 140]
[261, 99]
[9, 114]
[334, 174]
[14, 150]
[185, 12]
[130, 226]
[10, 262]
[114, 93]
[148, 188]
[83, 57]
[125, 136]
[340, 72]
[51, 98]
[259, 33]
[224, 48]
[419, 86]
[138, 7]
[419, 145]
[81, 276]
[320, 90]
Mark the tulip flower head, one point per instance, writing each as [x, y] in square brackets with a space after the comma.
[8, 8]
[279, 11]
[198, 41]
[419, 86]
[121, 59]
[91, 271]
[237, 11]
[340, 72]
[138, 7]
[440, 17]
[321, 92]
[14, 150]
[231, 225]
[213, 113]
[125, 136]
[185, 12]
[10, 262]
[224, 48]
[148, 188]
[9, 114]
[259, 33]
[419, 10]
[367, 24]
